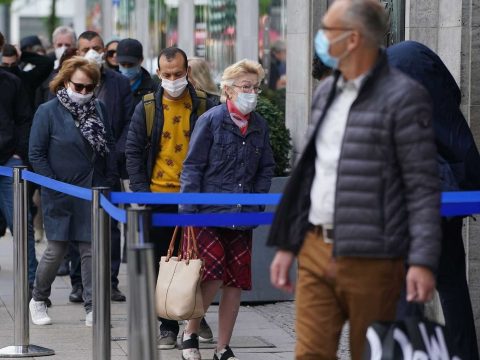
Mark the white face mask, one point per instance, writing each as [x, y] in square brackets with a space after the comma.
[59, 51]
[175, 88]
[246, 102]
[77, 97]
[94, 56]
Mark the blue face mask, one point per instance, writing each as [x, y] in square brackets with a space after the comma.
[322, 47]
[131, 73]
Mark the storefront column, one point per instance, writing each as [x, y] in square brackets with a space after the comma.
[247, 30]
[107, 25]
[304, 18]
[186, 26]
[141, 26]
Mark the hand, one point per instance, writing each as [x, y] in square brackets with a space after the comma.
[420, 284]
[279, 270]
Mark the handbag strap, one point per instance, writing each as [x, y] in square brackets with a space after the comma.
[172, 243]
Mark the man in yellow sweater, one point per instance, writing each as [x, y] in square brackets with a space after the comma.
[155, 156]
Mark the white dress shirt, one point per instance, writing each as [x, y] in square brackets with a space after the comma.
[328, 144]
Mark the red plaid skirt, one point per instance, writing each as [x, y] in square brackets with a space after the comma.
[227, 255]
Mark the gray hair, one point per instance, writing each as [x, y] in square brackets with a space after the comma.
[371, 17]
[64, 30]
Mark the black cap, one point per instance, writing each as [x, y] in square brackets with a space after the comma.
[29, 41]
[129, 51]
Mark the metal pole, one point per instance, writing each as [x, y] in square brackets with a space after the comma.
[21, 339]
[142, 329]
[101, 277]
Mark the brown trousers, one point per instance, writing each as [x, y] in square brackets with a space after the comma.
[331, 291]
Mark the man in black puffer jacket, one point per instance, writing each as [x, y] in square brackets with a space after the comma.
[365, 194]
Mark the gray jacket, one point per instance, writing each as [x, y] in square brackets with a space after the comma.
[387, 202]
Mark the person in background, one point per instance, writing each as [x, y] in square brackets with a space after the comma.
[319, 70]
[15, 121]
[130, 58]
[42, 66]
[459, 164]
[229, 153]
[365, 194]
[201, 79]
[278, 69]
[67, 133]
[63, 38]
[155, 156]
[111, 55]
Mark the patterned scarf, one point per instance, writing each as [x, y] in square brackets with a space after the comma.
[87, 120]
[237, 117]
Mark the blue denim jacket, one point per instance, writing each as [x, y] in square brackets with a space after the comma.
[222, 160]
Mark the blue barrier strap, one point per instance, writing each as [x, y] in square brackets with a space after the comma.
[69, 189]
[238, 219]
[118, 214]
[6, 171]
[194, 198]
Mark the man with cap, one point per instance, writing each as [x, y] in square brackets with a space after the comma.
[130, 58]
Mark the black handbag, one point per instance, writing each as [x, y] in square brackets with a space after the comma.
[414, 338]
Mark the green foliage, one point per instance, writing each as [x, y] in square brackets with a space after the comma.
[6, 2]
[279, 134]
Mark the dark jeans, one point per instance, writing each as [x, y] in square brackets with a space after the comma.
[6, 207]
[160, 238]
[453, 291]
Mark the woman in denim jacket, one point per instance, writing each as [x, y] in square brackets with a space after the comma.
[229, 152]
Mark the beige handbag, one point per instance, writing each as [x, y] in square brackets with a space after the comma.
[178, 295]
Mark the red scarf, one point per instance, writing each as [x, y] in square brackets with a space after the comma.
[237, 117]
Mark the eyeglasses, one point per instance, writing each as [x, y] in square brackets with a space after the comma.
[79, 87]
[111, 53]
[249, 88]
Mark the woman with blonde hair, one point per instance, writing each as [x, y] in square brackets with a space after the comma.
[229, 152]
[70, 141]
[201, 79]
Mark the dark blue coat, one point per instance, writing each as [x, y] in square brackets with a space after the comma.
[458, 159]
[59, 151]
[222, 160]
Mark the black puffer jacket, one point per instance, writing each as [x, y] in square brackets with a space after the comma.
[387, 201]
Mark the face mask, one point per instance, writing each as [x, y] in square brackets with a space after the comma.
[59, 51]
[246, 103]
[94, 56]
[322, 46]
[77, 97]
[175, 88]
[131, 73]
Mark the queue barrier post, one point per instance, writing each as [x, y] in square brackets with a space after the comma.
[101, 349]
[142, 329]
[21, 342]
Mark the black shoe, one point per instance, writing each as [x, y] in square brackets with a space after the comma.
[76, 296]
[205, 332]
[226, 355]
[64, 268]
[117, 295]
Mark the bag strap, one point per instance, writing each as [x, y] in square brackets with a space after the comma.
[149, 106]
[172, 244]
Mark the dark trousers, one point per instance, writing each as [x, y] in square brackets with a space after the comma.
[453, 291]
[160, 238]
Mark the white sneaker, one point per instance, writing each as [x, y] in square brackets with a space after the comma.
[38, 312]
[89, 319]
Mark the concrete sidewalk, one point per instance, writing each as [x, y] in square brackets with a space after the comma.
[263, 332]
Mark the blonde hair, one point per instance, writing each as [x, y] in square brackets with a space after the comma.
[69, 67]
[238, 69]
[200, 75]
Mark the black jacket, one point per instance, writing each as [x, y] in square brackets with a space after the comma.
[146, 86]
[459, 161]
[387, 200]
[15, 118]
[140, 151]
